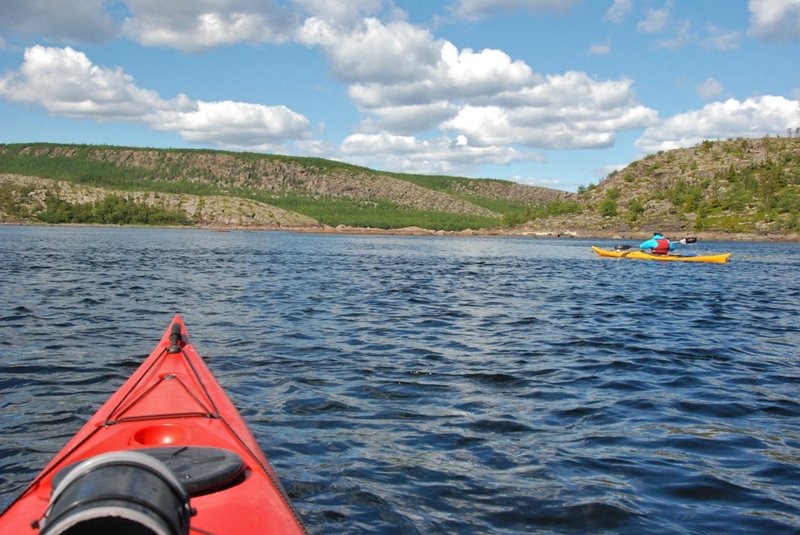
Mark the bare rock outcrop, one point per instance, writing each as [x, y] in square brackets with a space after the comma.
[211, 210]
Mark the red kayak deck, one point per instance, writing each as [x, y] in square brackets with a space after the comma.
[173, 400]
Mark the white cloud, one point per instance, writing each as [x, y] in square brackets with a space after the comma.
[680, 33]
[537, 181]
[618, 11]
[65, 82]
[656, 20]
[59, 20]
[189, 26]
[715, 38]
[204, 24]
[341, 12]
[683, 36]
[234, 124]
[381, 143]
[315, 147]
[561, 111]
[481, 73]
[407, 119]
[709, 89]
[450, 76]
[722, 40]
[373, 51]
[407, 81]
[775, 20]
[411, 154]
[754, 117]
[577, 127]
[478, 9]
[599, 49]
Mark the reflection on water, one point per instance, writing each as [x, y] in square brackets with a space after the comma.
[435, 385]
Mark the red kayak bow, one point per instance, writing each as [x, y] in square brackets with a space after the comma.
[167, 453]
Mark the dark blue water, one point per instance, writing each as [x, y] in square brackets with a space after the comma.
[435, 385]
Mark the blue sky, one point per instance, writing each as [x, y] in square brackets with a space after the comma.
[556, 93]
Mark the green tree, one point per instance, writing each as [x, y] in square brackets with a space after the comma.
[635, 210]
[513, 219]
[608, 206]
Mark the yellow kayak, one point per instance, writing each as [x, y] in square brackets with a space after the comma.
[641, 255]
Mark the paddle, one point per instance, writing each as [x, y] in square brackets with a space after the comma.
[632, 248]
[683, 241]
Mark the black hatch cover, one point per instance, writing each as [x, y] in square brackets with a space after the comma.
[199, 469]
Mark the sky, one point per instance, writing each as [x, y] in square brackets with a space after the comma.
[554, 93]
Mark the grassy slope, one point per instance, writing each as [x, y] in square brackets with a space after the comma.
[80, 168]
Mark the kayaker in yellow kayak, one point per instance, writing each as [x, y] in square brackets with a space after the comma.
[658, 244]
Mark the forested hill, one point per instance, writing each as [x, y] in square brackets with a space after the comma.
[258, 189]
[738, 185]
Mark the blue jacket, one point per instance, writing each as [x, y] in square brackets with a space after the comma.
[652, 243]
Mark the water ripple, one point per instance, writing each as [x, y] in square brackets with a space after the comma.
[435, 385]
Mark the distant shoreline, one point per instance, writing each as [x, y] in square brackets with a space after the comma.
[417, 231]
[564, 234]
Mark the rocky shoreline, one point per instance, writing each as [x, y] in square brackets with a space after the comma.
[566, 233]
[524, 232]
